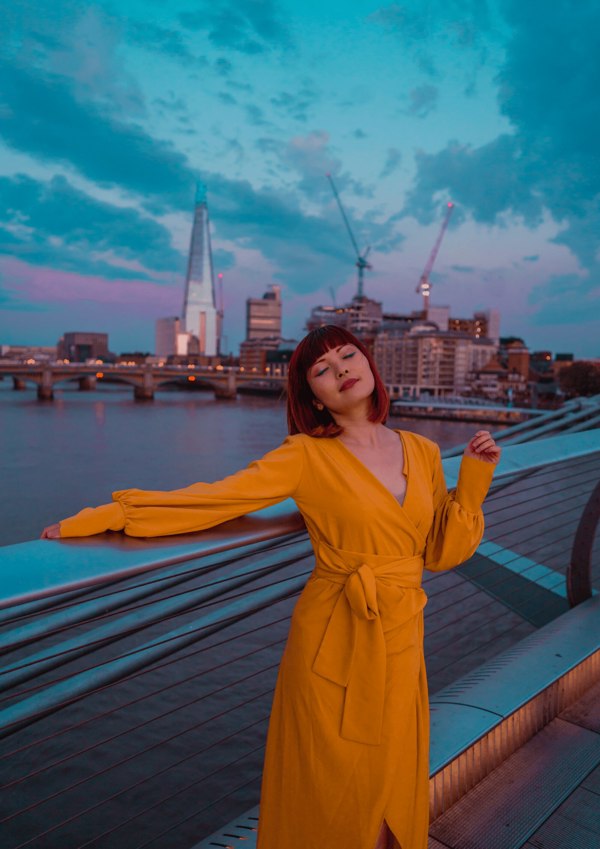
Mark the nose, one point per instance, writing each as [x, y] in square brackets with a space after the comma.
[343, 372]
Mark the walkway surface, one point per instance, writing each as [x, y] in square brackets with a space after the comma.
[545, 796]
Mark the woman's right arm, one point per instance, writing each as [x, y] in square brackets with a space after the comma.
[147, 513]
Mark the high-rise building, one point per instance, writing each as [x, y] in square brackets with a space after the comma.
[263, 315]
[199, 310]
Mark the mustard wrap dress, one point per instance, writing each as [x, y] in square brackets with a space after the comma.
[348, 739]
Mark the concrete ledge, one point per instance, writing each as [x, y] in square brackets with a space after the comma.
[481, 719]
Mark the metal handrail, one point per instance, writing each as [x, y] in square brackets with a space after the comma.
[28, 576]
[579, 571]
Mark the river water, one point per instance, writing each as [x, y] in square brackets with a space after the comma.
[57, 457]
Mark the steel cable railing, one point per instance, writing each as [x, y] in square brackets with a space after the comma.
[160, 647]
[149, 694]
[193, 607]
[154, 585]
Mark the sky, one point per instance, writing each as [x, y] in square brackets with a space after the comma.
[110, 113]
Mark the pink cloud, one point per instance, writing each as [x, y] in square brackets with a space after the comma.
[35, 284]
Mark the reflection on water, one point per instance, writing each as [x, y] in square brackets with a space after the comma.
[60, 456]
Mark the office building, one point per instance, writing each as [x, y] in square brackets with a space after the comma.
[79, 347]
[263, 315]
[425, 360]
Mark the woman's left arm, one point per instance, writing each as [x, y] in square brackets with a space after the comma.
[457, 526]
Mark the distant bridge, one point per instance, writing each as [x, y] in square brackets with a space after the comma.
[145, 379]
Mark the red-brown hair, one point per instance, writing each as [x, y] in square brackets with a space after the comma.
[303, 416]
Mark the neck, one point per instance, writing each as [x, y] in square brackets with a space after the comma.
[358, 430]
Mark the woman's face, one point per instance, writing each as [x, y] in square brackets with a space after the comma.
[342, 380]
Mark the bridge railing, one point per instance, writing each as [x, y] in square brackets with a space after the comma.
[137, 675]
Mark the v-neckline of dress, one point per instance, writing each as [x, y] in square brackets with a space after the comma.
[367, 471]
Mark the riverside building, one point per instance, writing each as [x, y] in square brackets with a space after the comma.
[426, 360]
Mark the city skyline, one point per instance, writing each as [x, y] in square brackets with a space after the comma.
[109, 118]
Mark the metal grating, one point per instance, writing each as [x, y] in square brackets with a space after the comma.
[493, 816]
[239, 832]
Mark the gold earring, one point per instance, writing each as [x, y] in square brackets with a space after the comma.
[318, 405]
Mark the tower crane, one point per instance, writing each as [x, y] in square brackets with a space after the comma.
[424, 286]
[361, 259]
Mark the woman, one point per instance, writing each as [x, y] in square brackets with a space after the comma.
[347, 756]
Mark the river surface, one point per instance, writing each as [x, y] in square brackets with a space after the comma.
[57, 457]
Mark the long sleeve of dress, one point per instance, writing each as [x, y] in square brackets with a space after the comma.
[457, 526]
[147, 513]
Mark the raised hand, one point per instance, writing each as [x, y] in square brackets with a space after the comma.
[482, 447]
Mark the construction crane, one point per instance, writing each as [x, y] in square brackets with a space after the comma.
[424, 286]
[220, 314]
[361, 259]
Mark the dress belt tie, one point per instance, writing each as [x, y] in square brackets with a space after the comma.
[353, 649]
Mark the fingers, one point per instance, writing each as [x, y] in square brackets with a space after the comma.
[483, 446]
[51, 532]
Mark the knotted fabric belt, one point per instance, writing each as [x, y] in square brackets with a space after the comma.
[353, 649]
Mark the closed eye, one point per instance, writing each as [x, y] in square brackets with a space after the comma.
[347, 356]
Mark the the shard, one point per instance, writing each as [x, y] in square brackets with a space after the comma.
[199, 309]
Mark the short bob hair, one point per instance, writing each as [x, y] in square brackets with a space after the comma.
[303, 416]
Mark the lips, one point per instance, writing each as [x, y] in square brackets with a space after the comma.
[348, 383]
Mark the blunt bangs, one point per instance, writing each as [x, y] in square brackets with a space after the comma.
[303, 416]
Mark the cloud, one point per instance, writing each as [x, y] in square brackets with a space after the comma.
[29, 288]
[41, 115]
[426, 28]
[422, 100]
[568, 299]
[171, 103]
[55, 224]
[532, 258]
[296, 105]
[548, 89]
[226, 98]
[256, 116]
[415, 21]
[392, 162]
[77, 44]
[168, 42]
[463, 269]
[223, 260]
[306, 249]
[311, 157]
[223, 66]
[487, 181]
[359, 134]
[251, 27]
